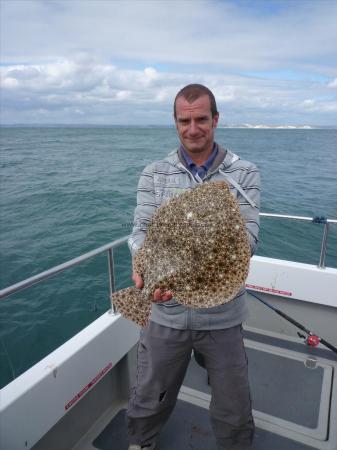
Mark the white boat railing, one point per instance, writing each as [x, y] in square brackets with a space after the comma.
[322, 220]
[112, 245]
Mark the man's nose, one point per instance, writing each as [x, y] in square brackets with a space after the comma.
[193, 129]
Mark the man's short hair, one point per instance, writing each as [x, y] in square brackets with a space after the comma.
[192, 92]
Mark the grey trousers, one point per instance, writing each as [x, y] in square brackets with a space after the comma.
[163, 356]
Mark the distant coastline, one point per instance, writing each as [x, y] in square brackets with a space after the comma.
[279, 127]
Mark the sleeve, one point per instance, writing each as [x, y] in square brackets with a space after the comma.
[250, 183]
[146, 205]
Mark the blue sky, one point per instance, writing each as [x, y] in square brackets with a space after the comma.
[122, 62]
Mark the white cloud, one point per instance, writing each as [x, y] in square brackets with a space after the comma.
[123, 95]
[114, 61]
[67, 91]
[188, 32]
[333, 83]
[10, 83]
[309, 102]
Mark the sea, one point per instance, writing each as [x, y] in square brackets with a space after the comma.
[68, 190]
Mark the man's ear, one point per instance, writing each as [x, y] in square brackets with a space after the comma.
[215, 120]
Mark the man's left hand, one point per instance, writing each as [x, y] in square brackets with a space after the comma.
[160, 296]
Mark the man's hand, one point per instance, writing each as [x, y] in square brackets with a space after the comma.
[138, 280]
[158, 296]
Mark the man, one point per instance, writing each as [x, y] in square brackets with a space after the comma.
[166, 343]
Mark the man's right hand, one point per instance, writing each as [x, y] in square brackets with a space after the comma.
[158, 296]
[138, 280]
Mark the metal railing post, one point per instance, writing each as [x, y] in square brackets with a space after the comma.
[321, 263]
[58, 269]
[112, 287]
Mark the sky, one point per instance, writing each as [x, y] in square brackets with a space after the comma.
[112, 62]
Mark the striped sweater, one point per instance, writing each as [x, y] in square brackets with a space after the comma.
[167, 178]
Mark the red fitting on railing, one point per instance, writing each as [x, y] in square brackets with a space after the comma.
[313, 340]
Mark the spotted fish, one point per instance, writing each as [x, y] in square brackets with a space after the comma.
[196, 246]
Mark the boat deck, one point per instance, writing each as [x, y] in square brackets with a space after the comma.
[294, 403]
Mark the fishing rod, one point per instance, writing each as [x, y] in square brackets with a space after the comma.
[312, 339]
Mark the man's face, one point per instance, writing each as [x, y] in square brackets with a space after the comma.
[195, 124]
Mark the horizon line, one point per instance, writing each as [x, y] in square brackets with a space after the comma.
[220, 126]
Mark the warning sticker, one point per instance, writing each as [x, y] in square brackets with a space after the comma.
[88, 386]
[267, 289]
